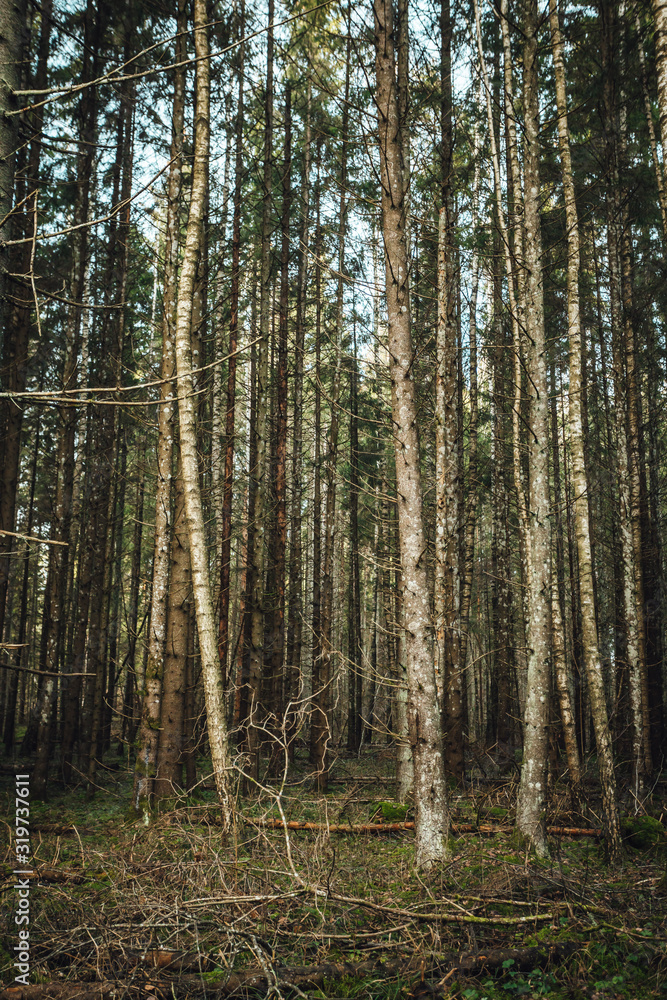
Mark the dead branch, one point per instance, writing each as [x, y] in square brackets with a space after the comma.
[456, 828]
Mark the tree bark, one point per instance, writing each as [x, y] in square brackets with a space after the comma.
[591, 651]
[230, 420]
[169, 761]
[206, 626]
[431, 815]
[150, 696]
[260, 472]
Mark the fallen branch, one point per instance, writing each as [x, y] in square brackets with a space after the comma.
[455, 828]
[46, 873]
[463, 916]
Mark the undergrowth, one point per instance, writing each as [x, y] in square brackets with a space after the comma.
[178, 901]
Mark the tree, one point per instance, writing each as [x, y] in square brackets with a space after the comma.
[206, 626]
[431, 816]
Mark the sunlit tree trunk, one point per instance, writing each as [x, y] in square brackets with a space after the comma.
[431, 815]
[206, 625]
[660, 18]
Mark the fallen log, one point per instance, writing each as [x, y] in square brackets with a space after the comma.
[456, 828]
[302, 977]
[192, 986]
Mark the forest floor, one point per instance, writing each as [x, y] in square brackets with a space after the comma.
[176, 909]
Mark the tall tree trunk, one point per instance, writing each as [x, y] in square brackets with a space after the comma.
[296, 588]
[473, 484]
[280, 536]
[355, 664]
[149, 729]
[206, 626]
[15, 338]
[107, 421]
[260, 473]
[560, 647]
[230, 421]
[531, 800]
[315, 722]
[323, 694]
[431, 815]
[448, 514]
[591, 651]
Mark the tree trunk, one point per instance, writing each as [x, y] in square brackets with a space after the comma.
[230, 421]
[169, 767]
[315, 721]
[355, 657]
[294, 690]
[531, 801]
[280, 536]
[431, 815]
[206, 626]
[261, 471]
[591, 651]
[15, 340]
[322, 695]
[448, 514]
[147, 748]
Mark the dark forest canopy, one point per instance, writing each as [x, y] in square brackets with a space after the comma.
[333, 395]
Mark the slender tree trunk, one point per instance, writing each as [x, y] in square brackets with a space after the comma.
[660, 19]
[169, 769]
[431, 815]
[448, 514]
[147, 749]
[230, 421]
[355, 654]
[128, 711]
[315, 722]
[296, 588]
[532, 789]
[261, 470]
[206, 626]
[323, 695]
[280, 536]
[473, 485]
[591, 651]
[15, 340]
[560, 646]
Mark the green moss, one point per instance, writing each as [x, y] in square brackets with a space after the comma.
[642, 832]
[215, 976]
[393, 812]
